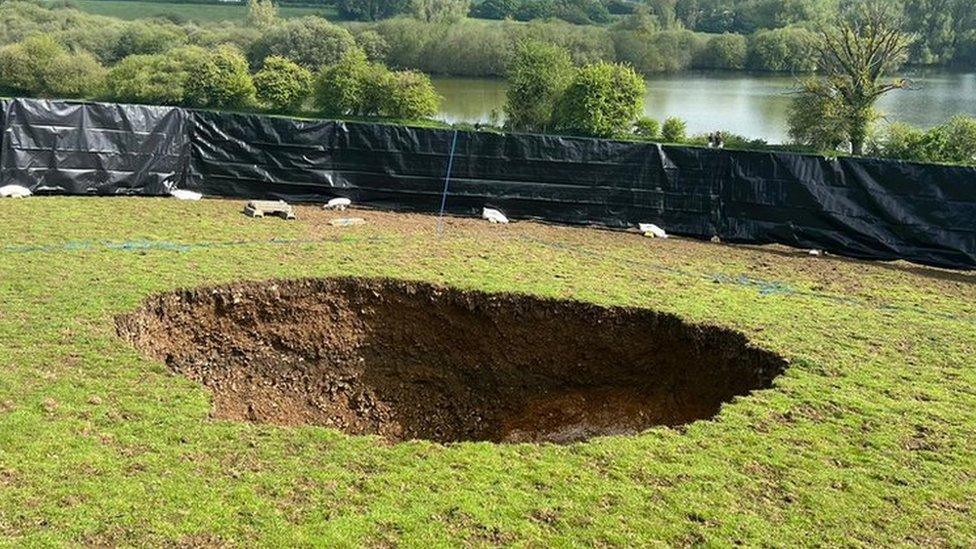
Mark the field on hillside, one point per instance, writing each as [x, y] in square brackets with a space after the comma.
[125, 9]
[865, 439]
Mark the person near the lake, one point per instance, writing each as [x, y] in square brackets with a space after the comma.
[716, 140]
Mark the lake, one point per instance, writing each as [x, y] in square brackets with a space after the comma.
[753, 105]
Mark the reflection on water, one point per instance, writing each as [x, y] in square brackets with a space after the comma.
[748, 104]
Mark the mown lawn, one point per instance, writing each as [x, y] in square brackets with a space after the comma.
[868, 439]
[132, 9]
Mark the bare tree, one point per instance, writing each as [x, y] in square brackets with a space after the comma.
[855, 57]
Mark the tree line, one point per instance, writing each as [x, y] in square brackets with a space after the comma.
[559, 81]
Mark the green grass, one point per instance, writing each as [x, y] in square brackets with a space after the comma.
[868, 439]
[126, 9]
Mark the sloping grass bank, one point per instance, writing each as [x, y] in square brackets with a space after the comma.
[866, 439]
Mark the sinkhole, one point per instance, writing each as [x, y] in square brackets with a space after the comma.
[409, 360]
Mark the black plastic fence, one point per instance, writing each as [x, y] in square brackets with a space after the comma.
[866, 208]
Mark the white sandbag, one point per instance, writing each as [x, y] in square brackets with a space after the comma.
[14, 191]
[652, 230]
[337, 204]
[182, 194]
[493, 216]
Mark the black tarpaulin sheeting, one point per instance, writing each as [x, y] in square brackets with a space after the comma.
[867, 208]
[551, 178]
[93, 148]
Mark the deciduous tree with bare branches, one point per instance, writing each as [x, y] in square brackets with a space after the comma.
[854, 59]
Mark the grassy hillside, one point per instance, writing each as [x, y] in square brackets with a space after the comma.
[125, 9]
[867, 439]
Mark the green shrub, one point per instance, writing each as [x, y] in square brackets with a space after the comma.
[602, 100]
[647, 128]
[74, 75]
[220, 81]
[953, 142]
[309, 41]
[440, 11]
[371, 10]
[154, 79]
[960, 141]
[148, 37]
[900, 140]
[409, 95]
[674, 130]
[101, 40]
[725, 51]
[282, 84]
[537, 77]
[356, 87]
[496, 9]
[189, 76]
[244, 38]
[38, 66]
[373, 45]
[261, 14]
[340, 88]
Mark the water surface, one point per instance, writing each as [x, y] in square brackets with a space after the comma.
[754, 105]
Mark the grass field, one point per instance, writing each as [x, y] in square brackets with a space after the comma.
[867, 439]
[125, 9]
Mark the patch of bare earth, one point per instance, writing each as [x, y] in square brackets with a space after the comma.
[408, 360]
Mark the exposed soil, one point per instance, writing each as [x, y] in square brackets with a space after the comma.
[408, 360]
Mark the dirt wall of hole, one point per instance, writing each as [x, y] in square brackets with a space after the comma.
[409, 360]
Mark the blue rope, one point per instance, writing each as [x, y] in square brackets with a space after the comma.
[447, 181]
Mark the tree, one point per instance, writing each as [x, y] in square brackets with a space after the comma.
[854, 59]
[640, 21]
[440, 11]
[372, 10]
[373, 45]
[340, 88]
[603, 100]
[409, 95]
[356, 87]
[537, 77]
[789, 49]
[818, 117]
[497, 9]
[309, 41]
[665, 11]
[674, 130]
[725, 51]
[142, 37]
[942, 27]
[39, 66]
[261, 14]
[282, 84]
[220, 80]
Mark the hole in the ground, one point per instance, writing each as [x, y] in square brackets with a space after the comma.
[408, 360]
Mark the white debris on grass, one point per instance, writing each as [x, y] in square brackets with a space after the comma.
[347, 221]
[815, 252]
[493, 216]
[14, 191]
[338, 204]
[183, 194]
[652, 230]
